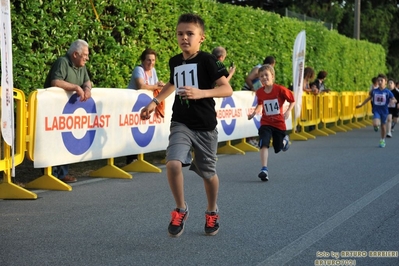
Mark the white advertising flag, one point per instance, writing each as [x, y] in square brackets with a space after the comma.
[298, 65]
[7, 86]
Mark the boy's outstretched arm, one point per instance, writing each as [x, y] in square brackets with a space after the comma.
[288, 111]
[364, 102]
[256, 110]
[145, 113]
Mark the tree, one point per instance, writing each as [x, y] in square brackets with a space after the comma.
[378, 20]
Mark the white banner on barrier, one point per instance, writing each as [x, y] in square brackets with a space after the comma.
[108, 125]
[7, 80]
[298, 66]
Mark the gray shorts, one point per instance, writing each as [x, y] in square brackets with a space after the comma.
[204, 144]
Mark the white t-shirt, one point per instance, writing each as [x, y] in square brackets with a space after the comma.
[139, 72]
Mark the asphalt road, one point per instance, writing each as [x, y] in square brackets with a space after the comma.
[334, 199]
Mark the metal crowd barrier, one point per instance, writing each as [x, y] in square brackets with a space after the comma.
[324, 114]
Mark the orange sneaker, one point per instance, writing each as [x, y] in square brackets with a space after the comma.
[69, 179]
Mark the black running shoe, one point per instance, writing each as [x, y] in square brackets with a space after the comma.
[211, 223]
[176, 225]
[264, 175]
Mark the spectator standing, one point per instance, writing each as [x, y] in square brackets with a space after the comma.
[271, 98]
[308, 77]
[69, 73]
[144, 77]
[381, 99]
[193, 76]
[220, 54]
[252, 82]
[319, 82]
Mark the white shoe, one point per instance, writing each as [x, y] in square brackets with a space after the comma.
[389, 135]
[253, 142]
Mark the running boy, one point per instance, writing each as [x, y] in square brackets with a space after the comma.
[193, 75]
[271, 98]
[393, 113]
[381, 97]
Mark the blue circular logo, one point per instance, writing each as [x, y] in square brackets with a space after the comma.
[142, 139]
[228, 128]
[74, 145]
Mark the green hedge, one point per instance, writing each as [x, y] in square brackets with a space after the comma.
[43, 30]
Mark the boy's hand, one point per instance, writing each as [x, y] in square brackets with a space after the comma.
[190, 93]
[145, 113]
[251, 116]
[358, 106]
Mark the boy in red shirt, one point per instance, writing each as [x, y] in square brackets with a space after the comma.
[271, 98]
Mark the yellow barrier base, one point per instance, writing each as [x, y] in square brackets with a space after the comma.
[48, 182]
[244, 146]
[110, 171]
[298, 136]
[229, 149]
[328, 130]
[12, 191]
[141, 166]
[345, 126]
[337, 128]
[358, 123]
[354, 125]
[368, 120]
[306, 135]
[362, 123]
[318, 132]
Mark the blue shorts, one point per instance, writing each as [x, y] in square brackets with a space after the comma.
[382, 116]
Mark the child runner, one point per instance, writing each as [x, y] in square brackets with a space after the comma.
[193, 75]
[392, 108]
[271, 98]
[381, 97]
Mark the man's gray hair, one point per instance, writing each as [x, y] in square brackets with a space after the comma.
[77, 46]
[219, 52]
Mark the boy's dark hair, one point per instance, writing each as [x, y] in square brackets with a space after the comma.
[322, 74]
[383, 76]
[269, 60]
[192, 18]
[374, 80]
[146, 52]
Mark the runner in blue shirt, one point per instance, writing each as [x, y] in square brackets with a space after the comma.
[382, 97]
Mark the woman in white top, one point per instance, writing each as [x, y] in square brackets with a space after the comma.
[144, 77]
